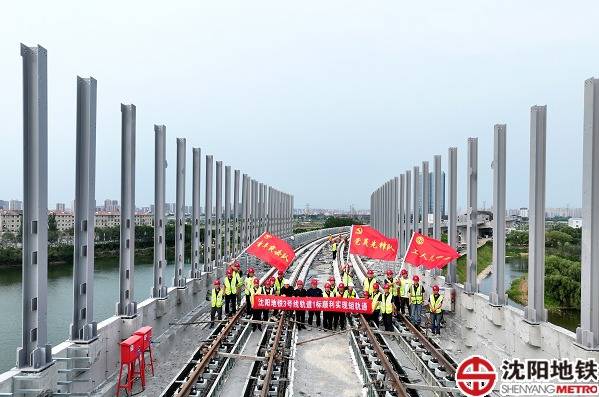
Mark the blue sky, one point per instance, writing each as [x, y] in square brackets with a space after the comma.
[323, 99]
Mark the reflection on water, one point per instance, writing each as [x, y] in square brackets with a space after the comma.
[517, 266]
[60, 300]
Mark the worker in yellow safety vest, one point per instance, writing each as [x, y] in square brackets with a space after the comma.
[386, 307]
[216, 303]
[416, 299]
[230, 293]
[347, 278]
[248, 283]
[369, 281]
[238, 274]
[334, 249]
[279, 283]
[434, 306]
[404, 291]
[256, 313]
[376, 299]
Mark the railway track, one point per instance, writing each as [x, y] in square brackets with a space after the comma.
[206, 371]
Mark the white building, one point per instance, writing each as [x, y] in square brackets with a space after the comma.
[15, 205]
[10, 221]
[576, 223]
[523, 213]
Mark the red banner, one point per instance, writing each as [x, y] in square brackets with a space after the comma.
[273, 251]
[344, 305]
[428, 252]
[369, 242]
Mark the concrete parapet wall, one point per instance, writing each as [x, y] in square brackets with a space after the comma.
[500, 332]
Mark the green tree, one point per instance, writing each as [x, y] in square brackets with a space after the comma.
[517, 237]
[52, 229]
[556, 238]
[333, 221]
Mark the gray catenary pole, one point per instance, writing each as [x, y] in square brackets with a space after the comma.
[159, 289]
[471, 285]
[497, 296]
[452, 213]
[179, 279]
[196, 212]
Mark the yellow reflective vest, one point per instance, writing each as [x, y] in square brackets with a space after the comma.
[367, 286]
[230, 285]
[435, 303]
[416, 294]
[249, 284]
[391, 283]
[334, 247]
[268, 291]
[217, 297]
[330, 294]
[346, 294]
[376, 301]
[253, 291]
[347, 279]
[386, 306]
[404, 287]
[278, 285]
[237, 277]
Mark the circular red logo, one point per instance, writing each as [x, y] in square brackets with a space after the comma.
[475, 376]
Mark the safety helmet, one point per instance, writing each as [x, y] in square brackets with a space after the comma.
[403, 271]
[271, 281]
[256, 281]
[435, 288]
[229, 272]
[286, 281]
[216, 282]
[350, 285]
[415, 278]
[390, 273]
[250, 270]
[366, 294]
[279, 274]
[370, 273]
[331, 279]
[300, 283]
[386, 286]
[327, 285]
[375, 286]
[341, 286]
[314, 282]
[237, 265]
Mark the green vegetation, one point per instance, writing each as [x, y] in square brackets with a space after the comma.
[333, 221]
[562, 267]
[484, 256]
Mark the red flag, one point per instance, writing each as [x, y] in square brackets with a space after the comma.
[429, 252]
[367, 241]
[273, 251]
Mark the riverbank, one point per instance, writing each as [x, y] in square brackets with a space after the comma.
[484, 260]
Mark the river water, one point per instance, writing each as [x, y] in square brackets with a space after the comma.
[60, 300]
[516, 267]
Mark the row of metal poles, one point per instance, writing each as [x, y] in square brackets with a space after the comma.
[225, 235]
[397, 212]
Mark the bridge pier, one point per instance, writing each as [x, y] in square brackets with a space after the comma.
[83, 328]
[497, 295]
[587, 335]
[126, 306]
[535, 311]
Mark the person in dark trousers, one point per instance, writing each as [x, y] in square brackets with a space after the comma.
[366, 295]
[404, 291]
[256, 314]
[338, 317]
[268, 289]
[216, 303]
[230, 293]
[350, 293]
[386, 307]
[434, 306]
[300, 315]
[334, 249]
[327, 317]
[376, 299]
[248, 283]
[316, 292]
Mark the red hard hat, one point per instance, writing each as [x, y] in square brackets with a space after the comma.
[390, 273]
[229, 272]
[256, 281]
[271, 281]
[436, 288]
[386, 286]
[366, 294]
[375, 286]
[327, 285]
[415, 278]
[216, 282]
[404, 271]
[314, 282]
[236, 264]
[332, 279]
[251, 270]
[300, 282]
[370, 272]
[341, 286]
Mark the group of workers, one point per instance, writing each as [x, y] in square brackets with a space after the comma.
[396, 295]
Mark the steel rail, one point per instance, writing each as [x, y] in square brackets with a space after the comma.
[396, 383]
[428, 345]
[271, 357]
